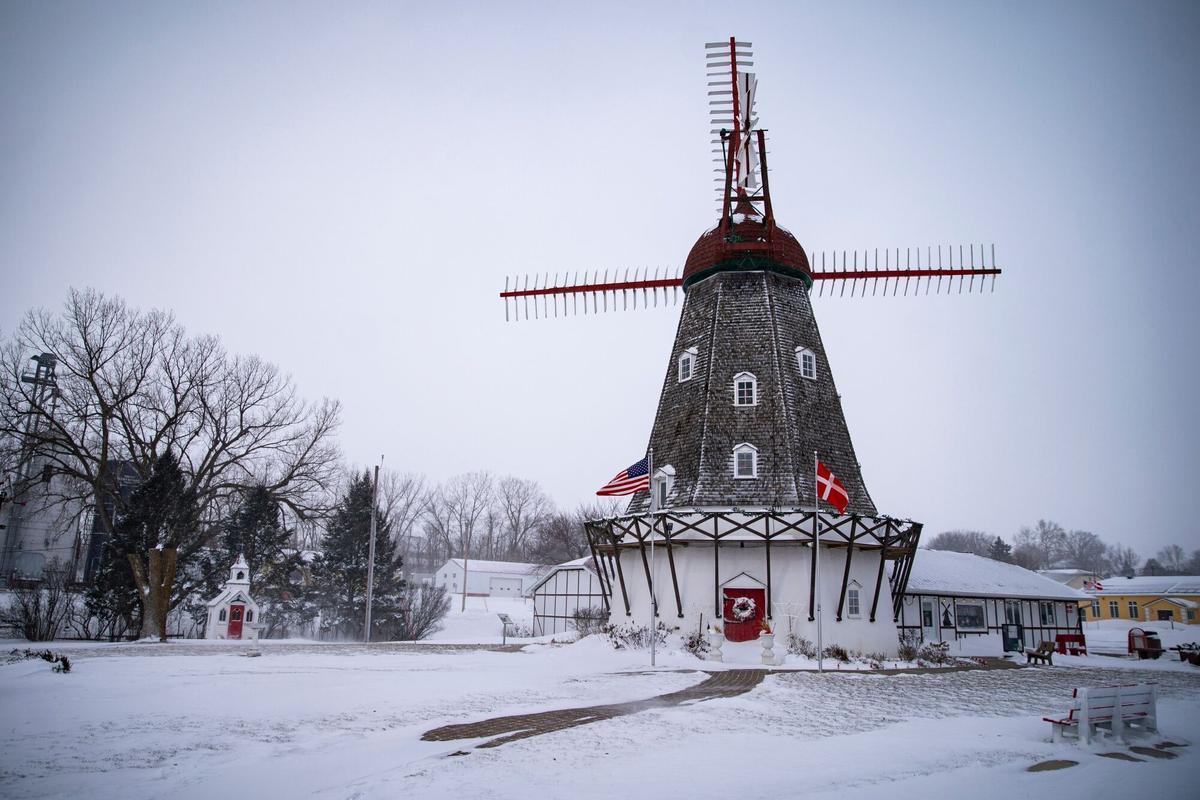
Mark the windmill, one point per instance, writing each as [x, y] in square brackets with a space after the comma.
[747, 398]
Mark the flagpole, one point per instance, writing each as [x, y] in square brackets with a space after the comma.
[817, 562]
[653, 511]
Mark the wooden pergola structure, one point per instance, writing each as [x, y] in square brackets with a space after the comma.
[677, 530]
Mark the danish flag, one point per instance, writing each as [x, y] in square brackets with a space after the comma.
[830, 489]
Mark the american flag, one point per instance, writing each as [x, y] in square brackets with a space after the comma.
[631, 480]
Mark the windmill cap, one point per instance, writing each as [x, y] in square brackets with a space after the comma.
[748, 245]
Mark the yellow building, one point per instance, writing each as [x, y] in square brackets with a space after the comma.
[1147, 598]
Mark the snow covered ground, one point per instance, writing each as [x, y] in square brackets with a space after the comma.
[344, 721]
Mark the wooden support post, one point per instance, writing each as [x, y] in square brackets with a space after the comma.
[879, 576]
[767, 522]
[671, 561]
[812, 559]
[620, 574]
[720, 612]
[649, 579]
[846, 572]
[605, 588]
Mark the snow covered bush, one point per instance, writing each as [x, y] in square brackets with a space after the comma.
[837, 653]
[636, 637]
[590, 620]
[937, 653]
[910, 644]
[59, 662]
[427, 607]
[797, 645]
[696, 643]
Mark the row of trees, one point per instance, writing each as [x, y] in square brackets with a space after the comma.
[186, 455]
[1048, 545]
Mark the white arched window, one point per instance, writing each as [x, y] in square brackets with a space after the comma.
[853, 606]
[745, 389]
[745, 461]
[807, 361]
[664, 481]
[687, 364]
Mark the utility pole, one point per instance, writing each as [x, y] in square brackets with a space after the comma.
[371, 553]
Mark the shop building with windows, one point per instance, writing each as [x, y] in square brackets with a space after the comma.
[953, 596]
[1145, 598]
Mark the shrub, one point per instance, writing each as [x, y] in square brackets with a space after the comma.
[910, 643]
[935, 653]
[838, 653]
[797, 645]
[38, 612]
[590, 620]
[425, 607]
[635, 637]
[59, 661]
[696, 643]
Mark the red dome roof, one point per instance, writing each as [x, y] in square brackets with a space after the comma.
[747, 245]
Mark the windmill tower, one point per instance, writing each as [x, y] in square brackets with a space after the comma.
[747, 399]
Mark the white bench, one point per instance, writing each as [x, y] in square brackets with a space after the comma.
[1113, 707]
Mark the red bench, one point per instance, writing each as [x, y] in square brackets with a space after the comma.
[1112, 707]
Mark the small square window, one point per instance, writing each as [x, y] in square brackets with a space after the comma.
[744, 463]
[745, 392]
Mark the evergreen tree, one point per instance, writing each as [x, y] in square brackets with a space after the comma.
[1000, 550]
[340, 572]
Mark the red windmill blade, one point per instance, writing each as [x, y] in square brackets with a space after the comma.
[747, 235]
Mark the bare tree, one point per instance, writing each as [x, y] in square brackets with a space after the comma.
[1085, 550]
[402, 499]
[524, 507]
[1122, 560]
[1173, 559]
[465, 500]
[975, 542]
[1041, 546]
[130, 385]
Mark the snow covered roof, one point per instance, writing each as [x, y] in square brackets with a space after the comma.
[503, 567]
[1150, 584]
[966, 575]
[579, 563]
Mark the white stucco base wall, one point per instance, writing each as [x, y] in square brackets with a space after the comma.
[790, 578]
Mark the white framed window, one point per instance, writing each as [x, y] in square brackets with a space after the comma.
[221, 616]
[745, 389]
[852, 606]
[664, 481]
[687, 364]
[1114, 609]
[969, 616]
[1133, 609]
[807, 361]
[1046, 611]
[745, 461]
[1096, 609]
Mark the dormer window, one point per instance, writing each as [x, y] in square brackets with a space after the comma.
[664, 480]
[745, 461]
[853, 605]
[807, 361]
[687, 364]
[745, 389]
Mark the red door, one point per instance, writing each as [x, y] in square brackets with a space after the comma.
[748, 629]
[235, 621]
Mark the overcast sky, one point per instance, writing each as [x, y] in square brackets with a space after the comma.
[342, 188]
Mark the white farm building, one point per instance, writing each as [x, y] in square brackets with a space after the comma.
[958, 595]
[488, 578]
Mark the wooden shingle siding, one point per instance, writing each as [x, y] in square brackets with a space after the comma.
[750, 322]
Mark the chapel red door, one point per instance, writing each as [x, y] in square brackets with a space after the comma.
[235, 621]
[744, 630]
